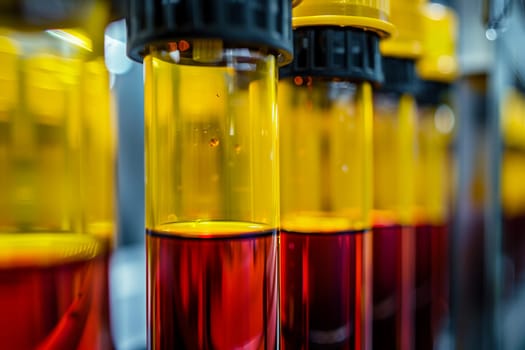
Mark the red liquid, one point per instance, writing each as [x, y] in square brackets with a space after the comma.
[514, 250]
[212, 293]
[431, 284]
[59, 306]
[393, 287]
[323, 286]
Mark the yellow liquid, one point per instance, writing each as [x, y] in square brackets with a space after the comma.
[211, 141]
[394, 156]
[326, 154]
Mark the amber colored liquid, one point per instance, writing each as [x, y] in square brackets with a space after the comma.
[432, 301]
[55, 306]
[322, 290]
[213, 292]
[393, 287]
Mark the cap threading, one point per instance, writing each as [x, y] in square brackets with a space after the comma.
[238, 23]
[335, 52]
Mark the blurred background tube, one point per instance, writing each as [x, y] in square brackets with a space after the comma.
[394, 138]
[325, 111]
[513, 186]
[212, 190]
[57, 153]
[476, 260]
[437, 69]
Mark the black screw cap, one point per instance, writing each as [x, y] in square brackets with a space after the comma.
[334, 52]
[432, 93]
[400, 75]
[238, 23]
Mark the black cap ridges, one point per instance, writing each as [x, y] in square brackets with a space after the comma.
[431, 93]
[238, 23]
[400, 75]
[335, 52]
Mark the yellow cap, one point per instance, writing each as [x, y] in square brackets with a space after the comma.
[296, 2]
[407, 17]
[367, 14]
[439, 61]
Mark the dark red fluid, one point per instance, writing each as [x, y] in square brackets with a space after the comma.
[212, 293]
[55, 307]
[432, 300]
[323, 290]
[514, 251]
[393, 287]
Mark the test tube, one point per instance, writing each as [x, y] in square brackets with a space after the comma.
[437, 69]
[212, 186]
[325, 111]
[56, 220]
[394, 191]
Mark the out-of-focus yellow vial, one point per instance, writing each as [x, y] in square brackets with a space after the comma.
[57, 159]
[325, 110]
[394, 138]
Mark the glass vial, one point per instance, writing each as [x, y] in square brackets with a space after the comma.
[325, 111]
[437, 70]
[325, 238]
[394, 161]
[57, 205]
[212, 196]
[212, 167]
[393, 226]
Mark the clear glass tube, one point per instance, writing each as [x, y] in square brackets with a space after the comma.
[212, 196]
[394, 215]
[326, 158]
[57, 204]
